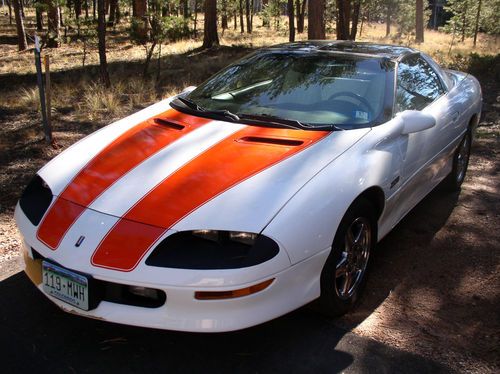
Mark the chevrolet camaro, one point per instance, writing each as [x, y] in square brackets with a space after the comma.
[263, 189]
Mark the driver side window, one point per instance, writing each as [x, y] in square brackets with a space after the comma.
[417, 84]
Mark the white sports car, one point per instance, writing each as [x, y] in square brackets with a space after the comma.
[263, 189]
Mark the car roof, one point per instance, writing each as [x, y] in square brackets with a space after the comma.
[392, 52]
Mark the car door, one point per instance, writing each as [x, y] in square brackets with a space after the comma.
[420, 88]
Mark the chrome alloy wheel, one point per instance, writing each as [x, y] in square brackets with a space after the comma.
[462, 159]
[353, 261]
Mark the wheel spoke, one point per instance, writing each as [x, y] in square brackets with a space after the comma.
[341, 268]
[360, 234]
[347, 283]
[349, 238]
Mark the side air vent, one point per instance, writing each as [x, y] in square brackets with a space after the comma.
[275, 141]
[35, 200]
[172, 125]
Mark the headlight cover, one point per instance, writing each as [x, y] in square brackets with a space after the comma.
[36, 199]
[211, 249]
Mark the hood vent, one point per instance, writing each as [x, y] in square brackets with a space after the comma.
[274, 141]
[172, 125]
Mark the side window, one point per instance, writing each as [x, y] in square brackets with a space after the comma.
[417, 84]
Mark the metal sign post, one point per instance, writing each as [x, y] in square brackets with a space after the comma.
[38, 64]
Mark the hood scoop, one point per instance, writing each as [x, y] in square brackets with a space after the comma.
[170, 124]
[287, 142]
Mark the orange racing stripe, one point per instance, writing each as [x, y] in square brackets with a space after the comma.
[113, 162]
[226, 164]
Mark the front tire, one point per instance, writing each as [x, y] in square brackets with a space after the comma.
[344, 274]
[454, 180]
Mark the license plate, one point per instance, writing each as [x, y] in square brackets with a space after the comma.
[66, 285]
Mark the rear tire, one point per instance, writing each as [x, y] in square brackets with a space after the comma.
[454, 180]
[344, 274]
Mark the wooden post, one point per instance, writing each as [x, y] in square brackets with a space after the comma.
[48, 92]
[41, 91]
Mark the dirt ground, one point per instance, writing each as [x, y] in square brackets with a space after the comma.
[434, 285]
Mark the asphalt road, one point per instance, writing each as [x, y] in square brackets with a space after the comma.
[35, 336]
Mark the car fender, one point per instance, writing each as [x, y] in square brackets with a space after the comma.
[307, 224]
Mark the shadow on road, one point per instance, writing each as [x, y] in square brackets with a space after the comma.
[36, 336]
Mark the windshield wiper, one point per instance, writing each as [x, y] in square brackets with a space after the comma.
[224, 113]
[285, 122]
[263, 119]
[275, 120]
[194, 106]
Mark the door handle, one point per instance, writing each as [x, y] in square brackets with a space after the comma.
[455, 116]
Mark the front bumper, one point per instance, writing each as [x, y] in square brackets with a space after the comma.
[291, 288]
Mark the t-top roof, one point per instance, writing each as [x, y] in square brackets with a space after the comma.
[381, 50]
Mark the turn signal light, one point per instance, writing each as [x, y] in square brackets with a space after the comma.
[219, 295]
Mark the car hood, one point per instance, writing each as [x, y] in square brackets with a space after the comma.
[174, 171]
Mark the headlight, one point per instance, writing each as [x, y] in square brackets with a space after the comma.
[36, 199]
[220, 236]
[212, 249]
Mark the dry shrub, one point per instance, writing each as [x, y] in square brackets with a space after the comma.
[29, 99]
[140, 92]
[98, 101]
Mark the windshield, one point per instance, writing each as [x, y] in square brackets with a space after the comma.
[312, 88]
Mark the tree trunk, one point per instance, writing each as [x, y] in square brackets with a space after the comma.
[10, 11]
[140, 15]
[78, 8]
[94, 9]
[343, 11]
[316, 18]
[61, 18]
[301, 10]
[101, 31]
[476, 28]
[251, 14]
[419, 21]
[235, 14]
[210, 37]
[224, 15]
[464, 21]
[53, 21]
[195, 30]
[242, 25]
[388, 22]
[39, 18]
[21, 34]
[86, 9]
[247, 13]
[21, 5]
[355, 19]
[113, 4]
[291, 21]
[118, 13]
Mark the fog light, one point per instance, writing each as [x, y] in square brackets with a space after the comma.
[149, 293]
[219, 295]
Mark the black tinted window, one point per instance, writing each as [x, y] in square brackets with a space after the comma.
[418, 84]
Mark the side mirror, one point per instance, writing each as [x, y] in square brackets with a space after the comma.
[187, 90]
[415, 121]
